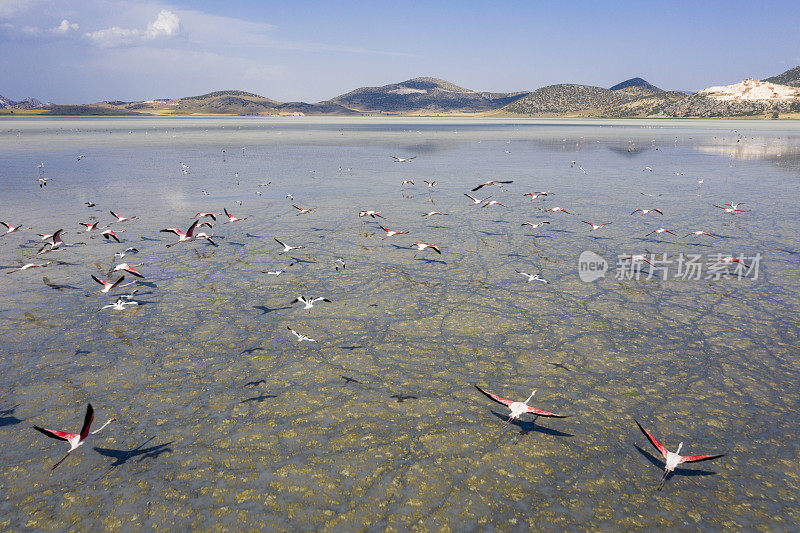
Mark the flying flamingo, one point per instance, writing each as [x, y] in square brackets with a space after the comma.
[673, 459]
[12, 229]
[182, 237]
[75, 440]
[697, 234]
[302, 210]
[533, 277]
[554, 209]
[109, 234]
[90, 227]
[535, 195]
[499, 183]
[518, 408]
[729, 208]
[29, 265]
[286, 247]
[659, 231]
[107, 285]
[645, 211]
[201, 214]
[371, 214]
[596, 227]
[534, 226]
[309, 302]
[121, 218]
[475, 201]
[402, 159]
[493, 202]
[422, 245]
[431, 184]
[407, 182]
[300, 336]
[232, 218]
[127, 268]
[431, 213]
[390, 232]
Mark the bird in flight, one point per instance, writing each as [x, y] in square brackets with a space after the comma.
[369, 213]
[301, 337]
[391, 232]
[645, 211]
[534, 226]
[422, 245]
[596, 227]
[182, 237]
[303, 211]
[402, 159]
[673, 459]
[309, 301]
[499, 183]
[518, 408]
[476, 201]
[533, 277]
[286, 247]
[75, 440]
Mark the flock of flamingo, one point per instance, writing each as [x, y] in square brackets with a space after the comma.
[52, 242]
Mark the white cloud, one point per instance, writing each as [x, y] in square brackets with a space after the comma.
[167, 24]
[64, 28]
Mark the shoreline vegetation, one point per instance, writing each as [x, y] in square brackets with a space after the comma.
[773, 98]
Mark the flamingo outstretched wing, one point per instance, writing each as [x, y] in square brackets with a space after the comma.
[698, 458]
[660, 447]
[54, 434]
[539, 412]
[87, 421]
[494, 397]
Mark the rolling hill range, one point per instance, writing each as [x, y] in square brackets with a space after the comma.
[424, 95]
[634, 97]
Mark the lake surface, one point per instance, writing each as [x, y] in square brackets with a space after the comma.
[225, 421]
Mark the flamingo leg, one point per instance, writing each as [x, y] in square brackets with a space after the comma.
[61, 461]
[663, 479]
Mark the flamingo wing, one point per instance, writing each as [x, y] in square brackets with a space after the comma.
[698, 458]
[539, 412]
[660, 447]
[479, 187]
[98, 280]
[87, 421]
[120, 280]
[54, 434]
[494, 397]
[191, 229]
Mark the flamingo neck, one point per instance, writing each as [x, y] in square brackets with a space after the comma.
[531, 396]
[104, 425]
[679, 448]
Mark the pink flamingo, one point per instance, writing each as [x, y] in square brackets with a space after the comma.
[518, 408]
[75, 440]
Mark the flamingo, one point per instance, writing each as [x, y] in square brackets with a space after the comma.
[518, 408]
[54, 244]
[309, 302]
[729, 208]
[89, 227]
[286, 247]
[534, 226]
[232, 218]
[182, 237]
[646, 211]
[75, 440]
[431, 184]
[120, 305]
[432, 213]
[12, 229]
[121, 218]
[535, 195]
[391, 233]
[475, 201]
[659, 231]
[302, 210]
[556, 209]
[108, 235]
[494, 202]
[26, 266]
[422, 245]
[407, 182]
[300, 336]
[673, 459]
[43, 181]
[339, 263]
[206, 236]
[697, 234]
[127, 268]
[596, 227]
[533, 277]
[123, 253]
[499, 183]
[202, 214]
[107, 285]
[369, 213]
[402, 159]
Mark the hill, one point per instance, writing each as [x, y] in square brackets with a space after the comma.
[27, 103]
[791, 78]
[587, 100]
[423, 95]
[223, 103]
[635, 83]
[747, 98]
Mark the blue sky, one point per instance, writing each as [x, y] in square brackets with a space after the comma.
[80, 51]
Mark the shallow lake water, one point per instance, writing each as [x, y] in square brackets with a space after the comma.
[225, 421]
